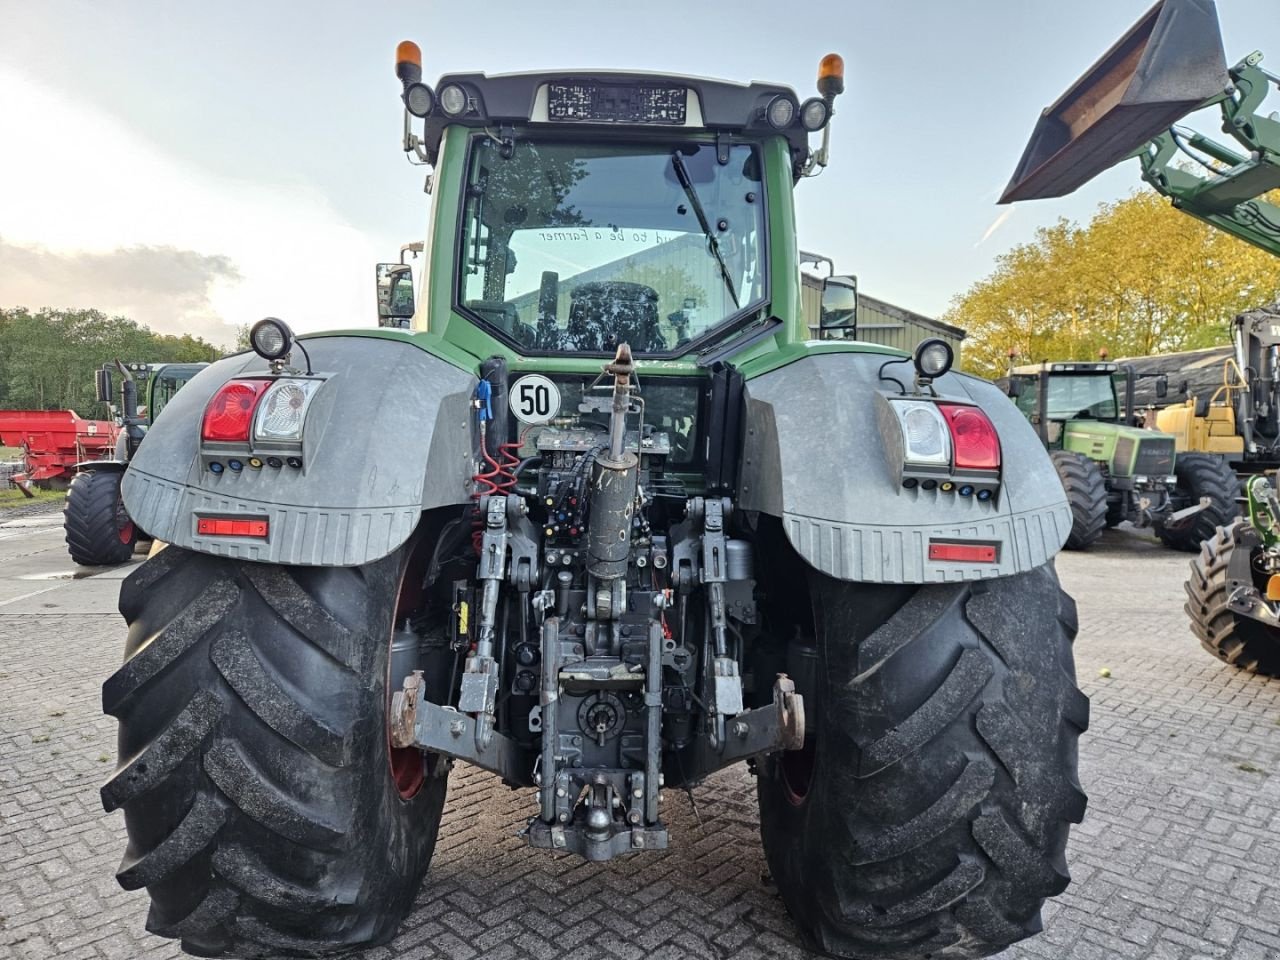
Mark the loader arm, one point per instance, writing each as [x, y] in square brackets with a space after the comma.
[1170, 64]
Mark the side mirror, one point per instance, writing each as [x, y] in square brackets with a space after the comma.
[839, 304]
[1014, 388]
[1162, 386]
[1184, 386]
[103, 386]
[395, 294]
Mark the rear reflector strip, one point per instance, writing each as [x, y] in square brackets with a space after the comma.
[962, 552]
[215, 527]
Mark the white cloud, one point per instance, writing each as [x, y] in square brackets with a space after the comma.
[74, 181]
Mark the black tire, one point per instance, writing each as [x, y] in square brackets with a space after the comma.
[1086, 492]
[1244, 643]
[1202, 475]
[928, 816]
[254, 761]
[98, 529]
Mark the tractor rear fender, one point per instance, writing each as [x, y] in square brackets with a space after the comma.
[820, 454]
[386, 437]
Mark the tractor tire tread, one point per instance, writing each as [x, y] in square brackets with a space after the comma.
[950, 827]
[261, 813]
[1243, 643]
[1086, 491]
[1203, 475]
[89, 520]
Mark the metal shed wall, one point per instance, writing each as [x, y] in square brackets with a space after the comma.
[880, 322]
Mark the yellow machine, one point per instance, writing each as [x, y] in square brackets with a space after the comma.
[1202, 426]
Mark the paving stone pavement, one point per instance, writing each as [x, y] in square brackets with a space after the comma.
[1178, 857]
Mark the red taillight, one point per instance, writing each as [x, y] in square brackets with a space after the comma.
[229, 414]
[974, 439]
[962, 552]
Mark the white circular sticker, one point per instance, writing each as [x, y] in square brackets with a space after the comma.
[534, 399]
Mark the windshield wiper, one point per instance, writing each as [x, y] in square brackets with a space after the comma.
[682, 174]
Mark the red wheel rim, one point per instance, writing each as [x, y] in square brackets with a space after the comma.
[124, 525]
[407, 765]
[796, 769]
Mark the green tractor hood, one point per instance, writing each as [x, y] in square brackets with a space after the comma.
[1127, 451]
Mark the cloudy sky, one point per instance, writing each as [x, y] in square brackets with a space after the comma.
[199, 166]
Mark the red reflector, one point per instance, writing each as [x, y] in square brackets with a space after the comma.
[977, 447]
[226, 527]
[962, 552]
[230, 413]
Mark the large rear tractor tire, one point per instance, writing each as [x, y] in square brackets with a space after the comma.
[1086, 492]
[266, 812]
[928, 814]
[1244, 643]
[98, 530]
[1202, 475]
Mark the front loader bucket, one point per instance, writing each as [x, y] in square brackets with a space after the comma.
[1168, 64]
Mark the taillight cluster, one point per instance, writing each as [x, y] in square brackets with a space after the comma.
[951, 447]
[265, 413]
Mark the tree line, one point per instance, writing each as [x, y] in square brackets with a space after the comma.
[48, 358]
[1139, 278]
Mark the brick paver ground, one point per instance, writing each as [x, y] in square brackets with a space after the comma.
[1178, 858]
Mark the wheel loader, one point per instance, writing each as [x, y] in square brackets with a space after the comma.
[98, 528]
[1128, 105]
[1112, 470]
[602, 521]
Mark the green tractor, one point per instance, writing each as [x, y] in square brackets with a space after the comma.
[1114, 471]
[98, 528]
[1128, 105]
[602, 521]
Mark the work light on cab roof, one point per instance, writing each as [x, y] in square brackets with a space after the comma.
[613, 99]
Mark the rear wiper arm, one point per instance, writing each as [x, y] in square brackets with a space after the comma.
[682, 174]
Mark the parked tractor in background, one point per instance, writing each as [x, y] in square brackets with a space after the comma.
[98, 528]
[1171, 64]
[1112, 470]
[603, 521]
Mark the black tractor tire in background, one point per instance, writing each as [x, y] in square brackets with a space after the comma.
[1086, 492]
[1202, 475]
[1244, 643]
[255, 769]
[928, 813]
[98, 530]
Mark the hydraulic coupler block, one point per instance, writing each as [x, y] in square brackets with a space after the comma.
[612, 502]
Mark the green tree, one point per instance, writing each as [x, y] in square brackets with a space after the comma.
[1139, 278]
[48, 358]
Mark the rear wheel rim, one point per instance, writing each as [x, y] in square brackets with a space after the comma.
[124, 525]
[796, 769]
[406, 765]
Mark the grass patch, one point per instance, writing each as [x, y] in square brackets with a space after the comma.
[10, 453]
[13, 497]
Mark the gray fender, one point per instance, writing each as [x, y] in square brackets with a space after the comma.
[815, 456]
[386, 437]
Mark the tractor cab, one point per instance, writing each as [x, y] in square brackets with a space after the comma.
[1077, 407]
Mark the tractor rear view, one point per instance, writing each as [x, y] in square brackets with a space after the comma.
[99, 530]
[1128, 105]
[1113, 471]
[602, 520]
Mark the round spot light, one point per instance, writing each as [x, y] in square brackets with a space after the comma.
[814, 114]
[933, 358]
[271, 338]
[780, 112]
[418, 99]
[453, 100]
